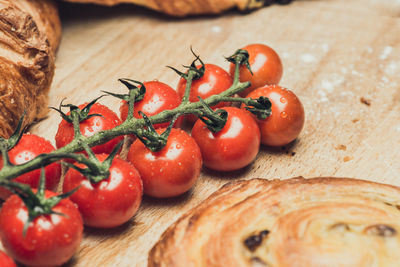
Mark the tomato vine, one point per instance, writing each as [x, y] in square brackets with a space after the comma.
[133, 125]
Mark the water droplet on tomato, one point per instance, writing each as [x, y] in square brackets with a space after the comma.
[67, 238]
[283, 100]
[283, 114]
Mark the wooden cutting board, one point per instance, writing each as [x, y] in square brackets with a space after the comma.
[342, 58]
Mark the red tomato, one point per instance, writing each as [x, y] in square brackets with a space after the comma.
[170, 171]
[6, 261]
[29, 147]
[287, 117]
[50, 240]
[89, 127]
[108, 203]
[158, 97]
[232, 148]
[214, 81]
[265, 65]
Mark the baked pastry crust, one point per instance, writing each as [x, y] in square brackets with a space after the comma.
[295, 222]
[185, 7]
[30, 32]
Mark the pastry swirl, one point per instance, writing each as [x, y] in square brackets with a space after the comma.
[295, 222]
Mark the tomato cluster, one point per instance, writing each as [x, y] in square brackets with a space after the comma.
[51, 239]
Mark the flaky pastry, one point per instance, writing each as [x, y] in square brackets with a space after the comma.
[185, 7]
[296, 222]
[30, 32]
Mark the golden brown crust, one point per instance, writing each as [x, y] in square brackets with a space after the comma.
[294, 222]
[27, 28]
[184, 7]
[45, 15]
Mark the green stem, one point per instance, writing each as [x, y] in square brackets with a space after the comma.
[131, 103]
[236, 76]
[189, 81]
[246, 101]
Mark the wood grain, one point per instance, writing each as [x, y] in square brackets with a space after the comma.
[334, 53]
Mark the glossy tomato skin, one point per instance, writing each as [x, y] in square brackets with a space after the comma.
[171, 171]
[111, 202]
[6, 261]
[232, 148]
[287, 117]
[89, 127]
[214, 81]
[29, 147]
[158, 97]
[50, 240]
[265, 64]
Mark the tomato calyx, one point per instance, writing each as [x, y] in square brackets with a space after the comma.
[8, 144]
[80, 114]
[95, 171]
[261, 107]
[193, 71]
[36, 203]
[135, 94]
[215, 120]
[149, 136]
[240, 57]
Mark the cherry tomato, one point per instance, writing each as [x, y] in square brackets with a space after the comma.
[264, 63]
[232, 148]
[50, 240]
[287, 117]
[29, 147]
[170, 171]
[89, 127]
[108, 203]
[6, 261]
[158, 97]
[214, 81]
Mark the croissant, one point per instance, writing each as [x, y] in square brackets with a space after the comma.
[296, 222]
[186, 7]
[30, 33]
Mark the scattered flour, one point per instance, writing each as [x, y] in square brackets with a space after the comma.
[323, 97]
[285, 55]
[387, 50]
[328, 86]
[308, 58]
[334, 81]
[216, 29]
[325, 48]
[392, 68]
[356, 73]
[346, 93]
[398, 128]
